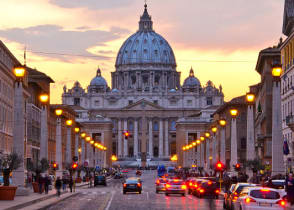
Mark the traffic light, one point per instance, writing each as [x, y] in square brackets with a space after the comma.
[55, 166]
[74, 166]
[238, 167]
[219, 166]
[126, 134]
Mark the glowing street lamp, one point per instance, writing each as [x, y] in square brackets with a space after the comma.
[222, 122]
[233, 112]
[277, 70]
[250, 98]
[214, 129]
[19, 72]
[113, 158]
[58, 112]
[44, 98]
[194, 144]
[198, 141]
[202, 138]
[77, 129]
[92, 142]
[207, 134]
[83, 135]
[184, 148]
[80, 150]
[88, 138]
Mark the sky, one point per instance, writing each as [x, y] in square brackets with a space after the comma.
[69, 39]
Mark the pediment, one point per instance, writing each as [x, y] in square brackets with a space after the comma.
[143, 105]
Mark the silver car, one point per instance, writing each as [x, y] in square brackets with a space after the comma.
[175, 186]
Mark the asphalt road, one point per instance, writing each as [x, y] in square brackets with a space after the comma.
[112, 198]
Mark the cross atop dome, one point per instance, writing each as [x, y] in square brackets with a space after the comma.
[191, 72]
[98, 72]
[145, 23]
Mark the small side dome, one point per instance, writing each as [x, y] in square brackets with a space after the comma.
[172, 91]
[98, 80]
[191, 81]
[115, 90]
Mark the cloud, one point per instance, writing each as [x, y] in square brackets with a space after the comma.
[92, 4]
[55, 42]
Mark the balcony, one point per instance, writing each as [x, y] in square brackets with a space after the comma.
[290, 122]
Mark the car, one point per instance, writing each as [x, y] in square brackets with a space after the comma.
[175, 186]
[208, 188]
[132, 185]
[260, 198]
[227, 195]
[196, 184]
[160, 184]
[190, 182]
[100, 180]
[278, 184]
[235, 193]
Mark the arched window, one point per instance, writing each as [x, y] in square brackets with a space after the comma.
[155, 151]
[173, 125]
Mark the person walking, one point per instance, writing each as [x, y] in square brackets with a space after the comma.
[46, 183]
[64, 182]
[58, 184]
[70, 184]
[290, 188]
[40, 183]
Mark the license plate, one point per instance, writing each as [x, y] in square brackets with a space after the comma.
[265, 204]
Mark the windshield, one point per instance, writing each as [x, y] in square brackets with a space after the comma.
[174, 182]
[131, 181]
[266, 194]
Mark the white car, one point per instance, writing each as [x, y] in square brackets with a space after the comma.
[278, 184]
[259, 198]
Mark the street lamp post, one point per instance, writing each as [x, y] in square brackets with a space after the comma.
[234, 148]
[207, 150]
[44, 98]
[250, 147]
[277, 141]
[222, 156]
[58, 156]
[214, 152]
[77, 136]
[18, 177]
[83, 136]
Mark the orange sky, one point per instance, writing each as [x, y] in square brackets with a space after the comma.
[220, 39]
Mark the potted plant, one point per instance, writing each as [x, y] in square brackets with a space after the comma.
[8, 163]
[38, 168]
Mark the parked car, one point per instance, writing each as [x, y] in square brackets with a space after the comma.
[100, 180]
[208, 188]
[278, 184]
[260, 198]
[196, 185]
[175, 186]
[132, 185]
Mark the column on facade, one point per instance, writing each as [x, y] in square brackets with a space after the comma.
[150, 134]
[277, 135]
[223, 145]
[119, 138]
[68, 145]
[125, 141]
[160, 138]
[44, 134]
[208, 143]
[77, 136]
[19, 134]
[214, 149]
[166, 143]
[58, 154]
[250, 147]
[102, 152]
[83, 151]
[202, 146]
[234, 148]
[136, 138]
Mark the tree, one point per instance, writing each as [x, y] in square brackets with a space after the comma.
[8, 163]
[38, 167]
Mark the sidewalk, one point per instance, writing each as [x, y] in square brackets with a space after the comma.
[20, 202]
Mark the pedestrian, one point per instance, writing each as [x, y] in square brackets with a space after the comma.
[64, 182]
[58, 185]
[290, 188]
[70, 184]
[46, 183]
[40, 183]
[254, 179]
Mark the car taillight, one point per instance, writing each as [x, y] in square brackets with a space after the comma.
[201, 190]
[217, 191]
[125, 185]
[209, 183]
[190, 184]
[235, 198]
[249, 200]
[167, 185]
[157, 182]
[139, 185]
[281, 203]
[195, 185]
[184, 187]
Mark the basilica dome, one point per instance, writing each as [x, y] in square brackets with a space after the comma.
[98, 80]
[191, 81]
[145, 47]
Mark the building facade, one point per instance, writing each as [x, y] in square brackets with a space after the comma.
[146, 97]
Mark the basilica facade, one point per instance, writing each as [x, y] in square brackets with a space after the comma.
[146, 98]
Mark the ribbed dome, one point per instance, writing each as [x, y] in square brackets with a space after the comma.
[98, 80]
[145, 46]
[191, 81]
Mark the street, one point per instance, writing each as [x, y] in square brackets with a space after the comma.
[112, 198]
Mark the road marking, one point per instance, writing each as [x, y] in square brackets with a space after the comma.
[109, 202]
[147, 195]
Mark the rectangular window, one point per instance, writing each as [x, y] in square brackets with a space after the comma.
[155, 102]
[209, 100]
[97, 103]
[189, 102]
[243, 143]
[77, 101]
[130, 102]
[268, 149]
[173, 103]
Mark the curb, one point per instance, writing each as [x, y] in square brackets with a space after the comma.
[61, 199]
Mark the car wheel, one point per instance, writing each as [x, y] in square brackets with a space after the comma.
[216, 197]
[156, 191]
[183, 194]
[124, 192]
[139, 192]
[166, 194]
